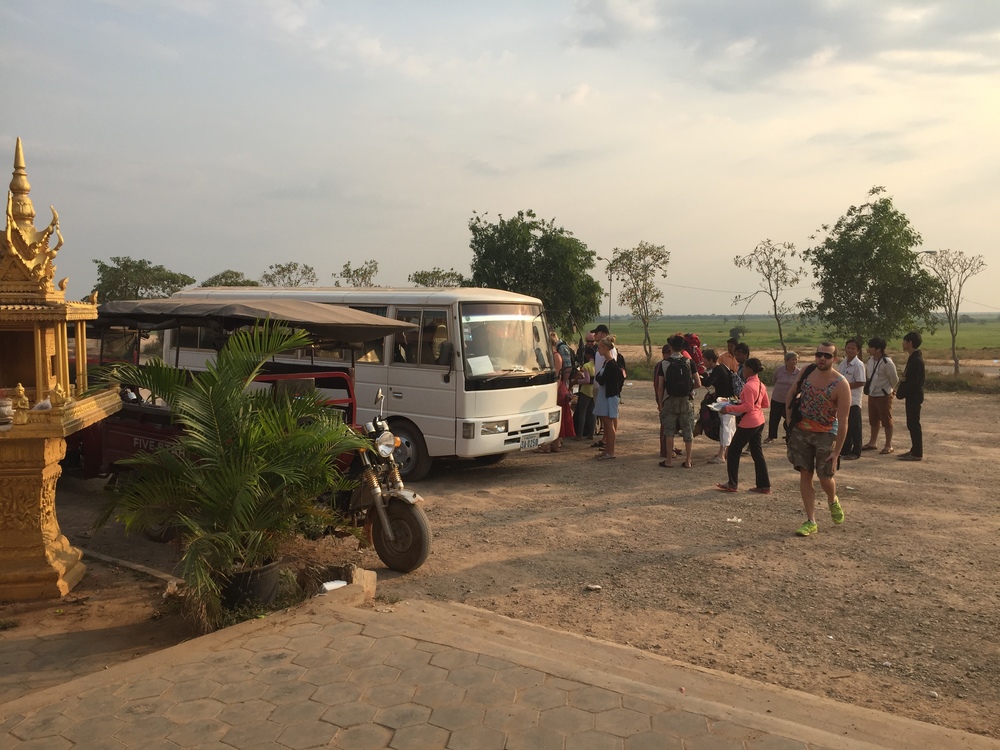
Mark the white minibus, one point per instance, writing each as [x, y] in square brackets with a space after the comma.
[475, 379]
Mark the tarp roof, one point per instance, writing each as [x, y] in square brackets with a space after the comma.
[333, 322]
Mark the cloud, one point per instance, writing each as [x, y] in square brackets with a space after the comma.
[577, 95]
[737, 44]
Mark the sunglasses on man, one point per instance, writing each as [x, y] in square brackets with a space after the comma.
[824, 355]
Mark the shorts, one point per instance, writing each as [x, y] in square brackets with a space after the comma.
[810, 451]
[678, 414]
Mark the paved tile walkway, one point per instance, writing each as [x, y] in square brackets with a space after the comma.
[427, 675]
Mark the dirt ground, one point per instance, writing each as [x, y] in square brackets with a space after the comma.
[895, 610]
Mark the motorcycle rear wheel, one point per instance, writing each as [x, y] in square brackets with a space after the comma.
[413, 537]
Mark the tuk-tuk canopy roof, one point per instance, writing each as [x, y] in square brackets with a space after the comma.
[336, 323]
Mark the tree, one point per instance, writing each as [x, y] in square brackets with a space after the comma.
[535, 257]
[288, 274]
[868, 274]
[771, 262]
[229, 278]
[363, 275]
[953, 268]
[637, 269]
[437, 277]
[127, 278]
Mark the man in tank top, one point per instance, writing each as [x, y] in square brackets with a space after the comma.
[815, 442]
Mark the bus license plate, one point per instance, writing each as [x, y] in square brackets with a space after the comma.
[529, 443]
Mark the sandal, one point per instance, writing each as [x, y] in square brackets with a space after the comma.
[686, 465]
[665, 465]
[886, 451]
[869, 447]
[726, 487]
[604, 457]
[716, 460]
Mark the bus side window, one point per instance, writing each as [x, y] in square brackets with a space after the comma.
[434, 338]
[406, 344]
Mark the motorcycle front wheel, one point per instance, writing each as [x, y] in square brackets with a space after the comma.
[413, 537]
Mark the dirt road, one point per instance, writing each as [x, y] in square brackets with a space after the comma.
[893, 608]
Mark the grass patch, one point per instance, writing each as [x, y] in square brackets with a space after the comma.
[977, 340]
[965, 382]
[8, 624]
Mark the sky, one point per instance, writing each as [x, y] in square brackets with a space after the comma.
[206, 135]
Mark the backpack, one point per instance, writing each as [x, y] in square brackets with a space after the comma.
[677, 380]
[738, 383]
[566, 353]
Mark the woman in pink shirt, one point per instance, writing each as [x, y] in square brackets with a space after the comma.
[753, 401]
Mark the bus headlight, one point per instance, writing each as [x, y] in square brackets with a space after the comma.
[386, 444]
[555, 416]
[497, 427]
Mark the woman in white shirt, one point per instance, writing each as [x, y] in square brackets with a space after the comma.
[882, 379]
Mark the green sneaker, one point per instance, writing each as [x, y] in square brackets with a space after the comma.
[809, 527]
[836, 512]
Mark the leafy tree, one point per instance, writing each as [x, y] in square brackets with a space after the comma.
[637, 269]
[953, 268]
[229, 278]
[535, 257]
[868, 274]
[771, 262]
[437, 277]
[288, 274]
[363, 275]
[127, 278]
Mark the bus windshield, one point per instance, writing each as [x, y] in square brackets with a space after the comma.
[500, 339]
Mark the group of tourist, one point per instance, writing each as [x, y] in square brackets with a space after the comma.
[817, 407]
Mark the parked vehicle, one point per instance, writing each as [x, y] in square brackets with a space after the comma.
[380, 503]
[471, 378]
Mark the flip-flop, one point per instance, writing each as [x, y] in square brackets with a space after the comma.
[869, 447]
[886, 451]
[604, 457]
[716, 460]
[686, 466]
[665, 465]
[726, 487]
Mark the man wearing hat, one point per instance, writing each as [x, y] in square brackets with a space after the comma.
[599, 333]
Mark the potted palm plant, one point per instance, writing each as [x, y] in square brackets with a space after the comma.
[248, 464]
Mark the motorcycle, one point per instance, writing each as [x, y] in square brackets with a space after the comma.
[379, 503]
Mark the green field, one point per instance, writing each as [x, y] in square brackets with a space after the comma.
[976, 340]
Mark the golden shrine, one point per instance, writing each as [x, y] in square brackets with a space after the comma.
[40, 404]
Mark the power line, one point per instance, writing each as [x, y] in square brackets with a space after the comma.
[981, 304]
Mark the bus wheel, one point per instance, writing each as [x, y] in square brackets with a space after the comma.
[493, 458]
[411, 455]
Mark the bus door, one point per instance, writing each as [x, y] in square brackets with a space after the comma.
[419, 384]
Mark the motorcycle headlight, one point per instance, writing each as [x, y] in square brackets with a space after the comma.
[385, 444]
